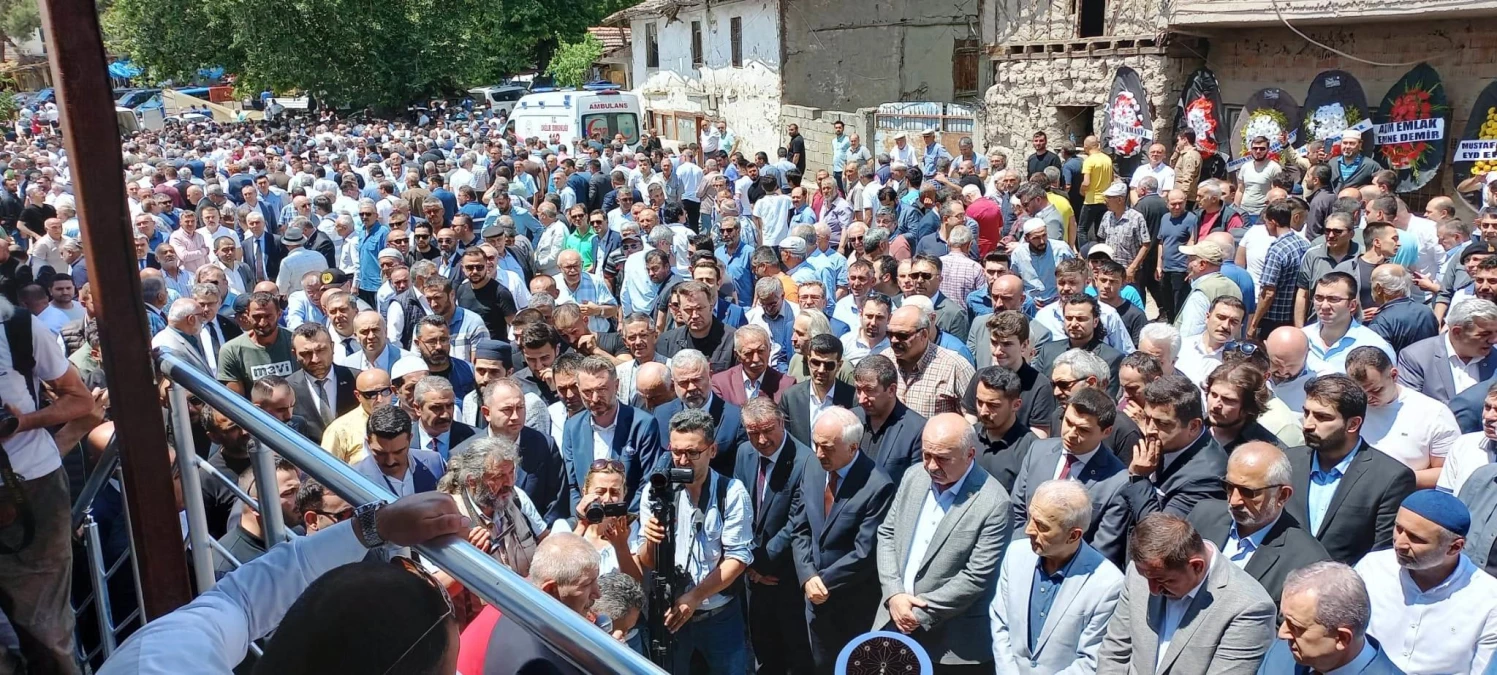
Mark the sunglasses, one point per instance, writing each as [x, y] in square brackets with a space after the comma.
[411, 566]
[898, 336]
[376, 393]
[607, 465]
[336, 517]
[1247, 492]
[596, 222]
[1245, 348]
[923, 276]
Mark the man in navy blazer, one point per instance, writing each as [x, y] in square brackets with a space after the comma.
[1425, 365]
[631, 434]
[691, 375]
[833, 547]
[769, 464]
[392, 463]
[540, 474]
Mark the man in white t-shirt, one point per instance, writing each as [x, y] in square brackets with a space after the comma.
[1157, 168]
[773, 212]
[1402, 423]
[1255, 179]
[36, 583]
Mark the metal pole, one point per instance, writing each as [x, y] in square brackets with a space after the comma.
[262, 460]
[192, 491]
[103, 608]
[91, 134]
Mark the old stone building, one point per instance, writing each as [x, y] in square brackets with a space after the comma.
[1053, 62]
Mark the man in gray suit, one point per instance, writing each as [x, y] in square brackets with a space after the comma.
[1425, 365]
[1326, 612]
[1055, 592]
[1185, 608]
[938, 550]
[184, 320]
[1078, 453]
[1479, 494]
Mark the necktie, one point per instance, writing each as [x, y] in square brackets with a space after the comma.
[349, 346]
[764, 465]
[831, 492]
[1065, 471]
[433, 445]
[322, 402]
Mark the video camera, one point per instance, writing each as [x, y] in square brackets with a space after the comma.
[668, 581]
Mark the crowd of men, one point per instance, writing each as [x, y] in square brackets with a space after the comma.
[919, 391]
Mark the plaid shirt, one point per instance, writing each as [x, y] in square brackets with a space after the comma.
[1281, 266]
[960, 275]
[1126, 234]
[467, 329]
[936, 385]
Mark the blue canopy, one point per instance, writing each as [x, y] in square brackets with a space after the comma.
[123, 69]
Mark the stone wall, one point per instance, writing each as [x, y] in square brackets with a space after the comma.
[816, 126]
[1028, 95]
[748, 98]
[1007, 21]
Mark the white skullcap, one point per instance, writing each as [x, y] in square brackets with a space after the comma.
[1033, 225]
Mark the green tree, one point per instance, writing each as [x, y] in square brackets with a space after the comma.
[18, 20]
[571, 61]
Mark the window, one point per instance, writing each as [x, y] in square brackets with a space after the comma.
[964, 68]
[609, 124]
[1093, 19]
[735, 37]
[696, 44]
[652, 46]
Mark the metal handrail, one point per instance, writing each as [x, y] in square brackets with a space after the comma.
[572, 637]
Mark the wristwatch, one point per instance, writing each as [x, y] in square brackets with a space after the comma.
[366, 524]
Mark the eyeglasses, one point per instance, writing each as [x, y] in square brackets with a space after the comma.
[376, 393]
[336, 517]
[607, 465]
[595, 222]
[1245, 348]
[898, 336]
[692, 455]
[410, 566]
[1247, 492]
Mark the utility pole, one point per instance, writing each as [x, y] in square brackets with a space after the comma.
[90, 133]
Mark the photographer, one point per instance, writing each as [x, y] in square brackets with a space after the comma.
[36, 570]
[603, 493]
[712, 541]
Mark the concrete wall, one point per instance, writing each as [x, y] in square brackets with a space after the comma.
[848, 55]
[816, 127]
[1006, 21]
[1463, 52]
[748, 97]
[1026, 96]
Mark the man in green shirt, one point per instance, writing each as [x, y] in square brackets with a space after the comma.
[262, 350]
[584, 236]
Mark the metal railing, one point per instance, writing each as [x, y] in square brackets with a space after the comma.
[572, 637]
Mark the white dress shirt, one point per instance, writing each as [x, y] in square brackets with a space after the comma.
[1174, 610]
[1195, 361]
[1076, 467]
[1464, 373]
[1412, 429]
[1450, 628]
[211, 634]
[1162, 173]
[603, 438]
[932, 512]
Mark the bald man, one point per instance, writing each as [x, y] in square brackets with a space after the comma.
[653, 386]
[1005, 293]
[344, 438]
[930, 583]
[1251, 527]
[1288, 349]
[375, 349]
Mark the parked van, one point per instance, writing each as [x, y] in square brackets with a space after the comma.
[499, 97]
[573, 114]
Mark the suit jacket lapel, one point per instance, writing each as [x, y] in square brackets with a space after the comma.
[909, 515]
[1485, 369]
[1070, 589]
[857, 477]
[1442, 371]
[622, 424]
[1024, 587]
[424, 481]
[1215, 578]
[1346, 485]
[1268, 554]
[1154, 612]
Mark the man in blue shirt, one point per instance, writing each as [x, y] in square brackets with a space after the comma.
[934, 151]
[734, 257]
[371, 241]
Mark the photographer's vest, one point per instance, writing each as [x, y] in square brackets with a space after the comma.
[1213, 286]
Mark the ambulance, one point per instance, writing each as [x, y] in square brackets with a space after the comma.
[574, 114]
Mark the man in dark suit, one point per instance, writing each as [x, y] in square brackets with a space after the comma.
[769, 464]
[632, 435]
[262, 250]
[691, 376]
[1346, 492]
[752, 376]
[1079, 452]
[392, 463]
[324, 390]
[891, 431]
[1178, 456]
[1088, 335]
[833, 528]
[1425, 365]
[436, 431]
[821, 391]
[540, 473]
[1250, 528]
